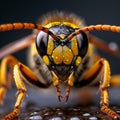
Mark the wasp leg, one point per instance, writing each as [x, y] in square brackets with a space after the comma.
[104, 84]
[4, 82]
[102, 67]
[18, 68]
[21, 93]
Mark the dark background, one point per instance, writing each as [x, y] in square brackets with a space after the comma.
[93, 12]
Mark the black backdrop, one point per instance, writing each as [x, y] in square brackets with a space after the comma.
[93, 11]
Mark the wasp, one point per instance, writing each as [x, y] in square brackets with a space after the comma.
[61, 52]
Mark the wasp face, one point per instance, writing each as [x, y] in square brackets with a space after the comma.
[62, 55]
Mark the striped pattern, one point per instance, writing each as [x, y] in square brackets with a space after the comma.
[18, 26]
[98, 27]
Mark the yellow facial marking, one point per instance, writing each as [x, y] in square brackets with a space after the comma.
[74, 46]
[57, 55]
[50, 46]
[67, 55]
[78, 60]
[62, 36]
[62, 55]
[55, 79]
[71, 79]
[46, 60]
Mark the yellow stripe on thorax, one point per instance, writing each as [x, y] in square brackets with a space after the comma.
[49, 25]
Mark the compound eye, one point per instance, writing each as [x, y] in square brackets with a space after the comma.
[82, 44]
[41, 43]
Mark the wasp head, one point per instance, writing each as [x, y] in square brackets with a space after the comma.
[62, 56]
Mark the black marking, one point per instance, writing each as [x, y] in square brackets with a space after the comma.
[23, 25]
[13, 26]
[35, 82]
[101, 27]
[41, 43]
[74, 34]
[82, 41]
[36, 26]
[94, 28]
[50, 33]
[43, 29]
[88, 29]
